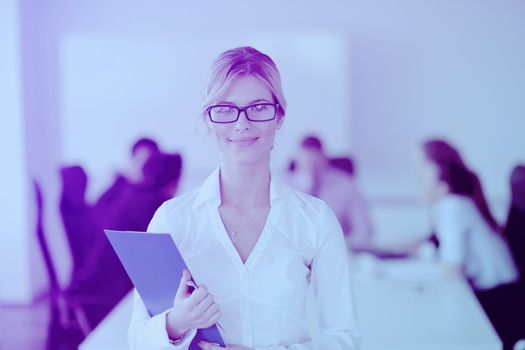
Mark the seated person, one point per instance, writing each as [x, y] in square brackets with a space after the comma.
[133, 208]
[141, 151]
[129, 205]
[469, 238]
[312, 173]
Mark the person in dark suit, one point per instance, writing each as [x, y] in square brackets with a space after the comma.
[132, 208]
[141, 151]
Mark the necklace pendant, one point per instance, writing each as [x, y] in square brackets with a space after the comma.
[234, 236]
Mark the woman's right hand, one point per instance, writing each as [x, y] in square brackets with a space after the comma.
[191, 310]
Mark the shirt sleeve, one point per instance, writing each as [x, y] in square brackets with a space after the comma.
[146, 332]
[332, 289]
[361, 226]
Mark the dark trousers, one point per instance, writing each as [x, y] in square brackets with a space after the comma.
[505, 307]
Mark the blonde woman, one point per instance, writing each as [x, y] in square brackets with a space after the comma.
[254, 244]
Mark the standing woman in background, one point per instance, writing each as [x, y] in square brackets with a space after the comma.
[255, 243]
[469, 239]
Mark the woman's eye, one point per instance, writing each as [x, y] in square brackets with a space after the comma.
[259, 108]
[224, 110]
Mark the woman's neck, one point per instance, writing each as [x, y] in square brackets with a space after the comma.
[245, 186]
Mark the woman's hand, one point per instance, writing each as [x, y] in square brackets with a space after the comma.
[214, 346]
[193, 310]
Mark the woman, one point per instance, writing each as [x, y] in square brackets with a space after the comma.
[468, 237]
[255, 244]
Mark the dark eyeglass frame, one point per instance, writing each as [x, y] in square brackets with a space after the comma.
[243, 109]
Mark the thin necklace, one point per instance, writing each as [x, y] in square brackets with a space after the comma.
[234, 234]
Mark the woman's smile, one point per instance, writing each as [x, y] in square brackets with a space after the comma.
[243, 141]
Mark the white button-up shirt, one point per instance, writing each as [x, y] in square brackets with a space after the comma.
[262, 301]
[467, 241]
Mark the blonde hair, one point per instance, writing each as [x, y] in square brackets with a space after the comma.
[238, 62]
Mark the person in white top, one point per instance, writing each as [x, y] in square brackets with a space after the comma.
[469, 237]
[254, 246]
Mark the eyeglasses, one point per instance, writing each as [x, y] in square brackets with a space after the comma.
[259, 112]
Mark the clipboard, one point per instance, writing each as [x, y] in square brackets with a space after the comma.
[154, 265]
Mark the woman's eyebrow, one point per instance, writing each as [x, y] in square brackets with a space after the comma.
[248, 104]
[259, 100]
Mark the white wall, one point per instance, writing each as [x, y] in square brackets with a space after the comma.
[439, 69]
[15, 281]
[31, 143]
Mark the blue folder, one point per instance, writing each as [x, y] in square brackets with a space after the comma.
[155, 266]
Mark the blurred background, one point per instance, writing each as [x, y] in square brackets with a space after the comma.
[81, 82]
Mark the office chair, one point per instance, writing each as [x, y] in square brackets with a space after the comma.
[69, 324]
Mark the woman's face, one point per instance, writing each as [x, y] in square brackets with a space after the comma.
[431, 185]
[245, 142]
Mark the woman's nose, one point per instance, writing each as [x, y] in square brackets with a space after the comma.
[242, 123]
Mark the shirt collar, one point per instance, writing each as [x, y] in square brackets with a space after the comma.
[210, 190]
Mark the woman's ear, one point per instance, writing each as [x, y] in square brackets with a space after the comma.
[280, 121]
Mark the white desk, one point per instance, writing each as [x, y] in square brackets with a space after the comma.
[416, 307]
[408, 309]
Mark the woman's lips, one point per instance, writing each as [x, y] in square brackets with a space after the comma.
[244, 142]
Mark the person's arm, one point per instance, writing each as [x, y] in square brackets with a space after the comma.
[108, 197]
[361, 226]
[330, 280]
[150, 333]
[451, 231]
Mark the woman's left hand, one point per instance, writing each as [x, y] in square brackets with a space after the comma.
[213, 346]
